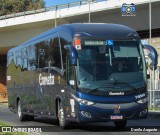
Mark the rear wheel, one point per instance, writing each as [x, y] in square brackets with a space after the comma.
[61, 117]
[120, 124]
[21, 116]
[30, 118]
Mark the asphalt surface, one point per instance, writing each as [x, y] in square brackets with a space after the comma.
[49, 127]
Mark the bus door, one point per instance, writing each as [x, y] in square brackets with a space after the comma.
[71, 87]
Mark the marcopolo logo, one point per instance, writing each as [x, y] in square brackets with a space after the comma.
[128, 9]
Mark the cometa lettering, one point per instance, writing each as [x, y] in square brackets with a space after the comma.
[119, 93]
[46, 80]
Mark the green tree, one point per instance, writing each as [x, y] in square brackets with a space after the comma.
[15, 6]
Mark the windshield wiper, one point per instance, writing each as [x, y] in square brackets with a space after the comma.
[92, 91]
[127, 84]
[96, 89]
[112, 86]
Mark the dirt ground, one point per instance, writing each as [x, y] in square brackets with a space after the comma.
[3, 93]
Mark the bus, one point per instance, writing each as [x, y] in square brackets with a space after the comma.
[79, 73]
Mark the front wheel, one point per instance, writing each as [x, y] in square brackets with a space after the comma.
[30, 118]
[61, 117]
[21, 116]
[120, 124]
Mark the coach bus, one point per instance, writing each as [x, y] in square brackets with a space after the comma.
[79, 73]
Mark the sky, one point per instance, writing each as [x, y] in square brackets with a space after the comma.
[50, 3]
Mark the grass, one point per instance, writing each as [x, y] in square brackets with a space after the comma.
[154, 109]
[4, 104]
[2, 124]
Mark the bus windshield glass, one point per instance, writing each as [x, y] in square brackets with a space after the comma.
[116, 66]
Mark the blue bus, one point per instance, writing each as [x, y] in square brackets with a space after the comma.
[79, 73]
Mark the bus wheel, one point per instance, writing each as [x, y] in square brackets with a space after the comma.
[61, 117]
[30, 118]
[21, 116]
[120, 124]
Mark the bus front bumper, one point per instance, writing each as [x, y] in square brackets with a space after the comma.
[108, 112]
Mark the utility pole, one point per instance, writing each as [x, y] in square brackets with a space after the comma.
[150, 22]
[89, 2]
[56, 17]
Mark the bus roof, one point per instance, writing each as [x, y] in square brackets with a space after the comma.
[107, 30]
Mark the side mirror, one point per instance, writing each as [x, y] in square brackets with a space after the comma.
[151, 52]
[73, 54]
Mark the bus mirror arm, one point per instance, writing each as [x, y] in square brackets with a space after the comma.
[73, 54]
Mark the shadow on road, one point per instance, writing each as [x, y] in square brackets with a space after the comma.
[75, 127]
[96, 128]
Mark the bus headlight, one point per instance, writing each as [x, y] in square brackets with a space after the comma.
[83, 101]
[86, 102]
[142, 101]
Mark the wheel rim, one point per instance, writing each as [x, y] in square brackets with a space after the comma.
[61, 116]
[19, 110]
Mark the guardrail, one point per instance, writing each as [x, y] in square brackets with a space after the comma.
[53, 8]
[154, 89]
[154, 99]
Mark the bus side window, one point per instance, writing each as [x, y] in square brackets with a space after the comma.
[24, 58]
[55, 52]
[44, 55]
[32, 63]
[41, 58]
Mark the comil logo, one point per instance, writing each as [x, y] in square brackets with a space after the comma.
[128, 9]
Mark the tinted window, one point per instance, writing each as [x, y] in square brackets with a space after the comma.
[55, 52]
[48, 53]
[32, 63]
[41, 51]
[24, 56]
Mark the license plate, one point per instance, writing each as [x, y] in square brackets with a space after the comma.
[116, 117]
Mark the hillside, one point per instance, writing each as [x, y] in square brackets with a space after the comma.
[3, 93]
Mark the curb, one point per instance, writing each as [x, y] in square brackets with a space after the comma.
[154, 115]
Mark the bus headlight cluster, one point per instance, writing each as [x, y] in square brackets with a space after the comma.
[83, 101]
[86, 102]
[142, 101]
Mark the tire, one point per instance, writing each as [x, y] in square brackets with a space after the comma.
[21, 116]
[120, 124]
[61, 117]
[30, 118]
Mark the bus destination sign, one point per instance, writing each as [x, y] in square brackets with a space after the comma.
[93, 42]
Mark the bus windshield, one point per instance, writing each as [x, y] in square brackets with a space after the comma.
[116, 67]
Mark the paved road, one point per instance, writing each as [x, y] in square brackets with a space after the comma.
[86, 129]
